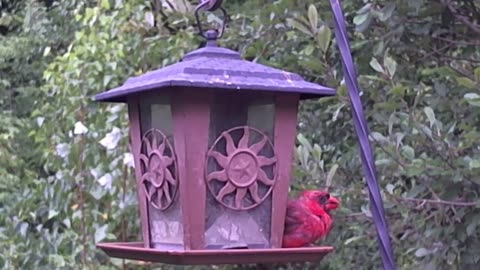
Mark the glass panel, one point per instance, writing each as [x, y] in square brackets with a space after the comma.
[240, 171]
[160, 175]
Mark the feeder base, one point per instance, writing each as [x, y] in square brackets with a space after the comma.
[136, 251]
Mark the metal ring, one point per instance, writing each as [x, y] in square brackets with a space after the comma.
[210, 5]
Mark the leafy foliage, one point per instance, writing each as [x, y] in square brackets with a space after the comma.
[65, 167]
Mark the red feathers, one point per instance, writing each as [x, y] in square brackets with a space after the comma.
[308, 218]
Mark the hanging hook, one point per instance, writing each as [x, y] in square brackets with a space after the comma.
[211, 5]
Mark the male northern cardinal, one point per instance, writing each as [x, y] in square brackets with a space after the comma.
[308, 218]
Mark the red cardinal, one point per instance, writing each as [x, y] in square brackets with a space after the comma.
[308, 218]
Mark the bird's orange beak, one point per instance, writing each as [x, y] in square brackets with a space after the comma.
[333, 203]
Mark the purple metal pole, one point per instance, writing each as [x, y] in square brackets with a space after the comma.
[376, 203]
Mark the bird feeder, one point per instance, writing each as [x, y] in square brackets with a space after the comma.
[212, 138]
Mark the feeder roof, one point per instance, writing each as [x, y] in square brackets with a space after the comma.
[216, 68]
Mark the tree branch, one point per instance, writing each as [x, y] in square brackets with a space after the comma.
[439, 201]
[390, 154]
[158, 9]
[462, 18]
[458, 42]
[434, 51]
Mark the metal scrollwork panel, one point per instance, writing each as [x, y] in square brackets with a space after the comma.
[159, 169]
[246, 168]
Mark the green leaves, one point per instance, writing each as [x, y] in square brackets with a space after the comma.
[101, 233]
[312, 163]
[408, 152]
[387, 11]
[57, 260]
[376, 65]
[474, 222]
[421, 104]
[391, 65]
[422, 252]
[424, 117]
[61, 137]
[472, 99]
[313, 16]
[431, 116]
[388, 68]
[314, 27]
[105, 4]
[363, 18]
[323, 38]
[474, 164]
[299, 26]
[477, 74]
[466, 82]
[331, 175]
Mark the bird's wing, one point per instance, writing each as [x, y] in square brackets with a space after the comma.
[295, 217]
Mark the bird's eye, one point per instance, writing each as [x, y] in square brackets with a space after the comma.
[324, 198]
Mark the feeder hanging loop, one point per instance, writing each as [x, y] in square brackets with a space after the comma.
[210, 5]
